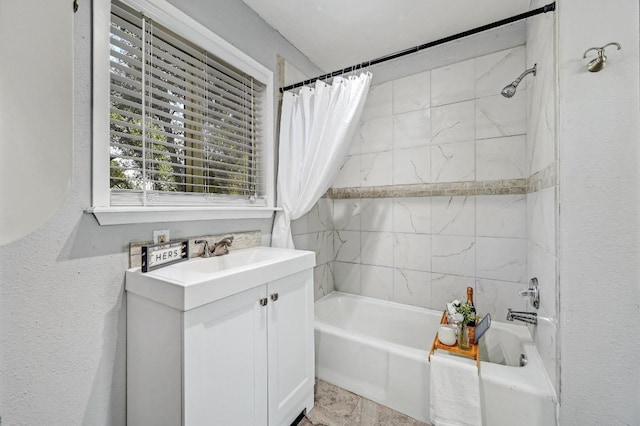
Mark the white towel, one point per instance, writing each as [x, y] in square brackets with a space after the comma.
[455, 391]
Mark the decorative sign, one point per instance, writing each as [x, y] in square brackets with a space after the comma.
[155, 256]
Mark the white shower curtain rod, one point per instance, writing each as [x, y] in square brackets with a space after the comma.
[544, 9]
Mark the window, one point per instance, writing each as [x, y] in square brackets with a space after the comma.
[188, 128]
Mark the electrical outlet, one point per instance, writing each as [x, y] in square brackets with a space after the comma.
[161, 236]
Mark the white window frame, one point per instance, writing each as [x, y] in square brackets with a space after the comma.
[185, 26]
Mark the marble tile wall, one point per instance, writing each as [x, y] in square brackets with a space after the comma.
[314, 231]
[447, 185]
[448, 126]
[425, 251]
[444, 189]
[542, 193]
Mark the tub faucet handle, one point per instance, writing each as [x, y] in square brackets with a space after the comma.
[533, 293]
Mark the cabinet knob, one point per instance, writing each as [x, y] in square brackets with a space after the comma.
[274, 296]
[263, 301]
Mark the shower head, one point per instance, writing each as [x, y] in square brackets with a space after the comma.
[510, 90]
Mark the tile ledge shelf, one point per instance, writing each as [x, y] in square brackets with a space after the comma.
[542, 179]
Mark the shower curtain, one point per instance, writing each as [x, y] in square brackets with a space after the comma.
[316, 128]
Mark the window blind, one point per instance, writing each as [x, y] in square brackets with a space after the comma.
[185, 127]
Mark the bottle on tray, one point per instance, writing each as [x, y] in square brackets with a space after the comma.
[471, 325]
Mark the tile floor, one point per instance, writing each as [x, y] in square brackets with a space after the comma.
[335, 406]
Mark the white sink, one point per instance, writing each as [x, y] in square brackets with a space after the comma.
[199, 281]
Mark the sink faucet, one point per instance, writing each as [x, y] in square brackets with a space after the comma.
[222, 247]
[205, 249]
[530, 317]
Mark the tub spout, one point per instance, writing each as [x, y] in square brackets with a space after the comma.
[530, 317]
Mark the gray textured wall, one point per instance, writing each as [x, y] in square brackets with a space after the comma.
[62, 307]
[599, 231]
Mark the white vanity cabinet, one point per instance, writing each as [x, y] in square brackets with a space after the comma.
[243, 359]
[225, 361]
[290, 349]
[239, 354]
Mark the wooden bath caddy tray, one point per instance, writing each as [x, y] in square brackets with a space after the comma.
[472, 352]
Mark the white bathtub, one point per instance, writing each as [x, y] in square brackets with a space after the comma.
[379, 350]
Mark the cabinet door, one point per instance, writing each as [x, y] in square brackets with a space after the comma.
[225, 361]
[291, 347]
